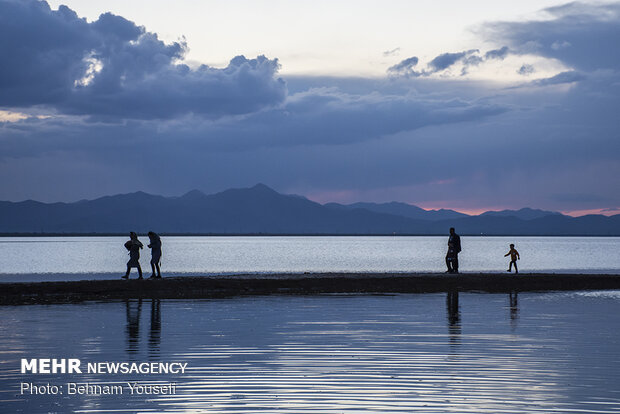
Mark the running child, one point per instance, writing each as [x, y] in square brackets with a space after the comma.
[514, 256]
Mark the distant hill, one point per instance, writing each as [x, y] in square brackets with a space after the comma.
[249, 211]
[523, 214]
[402, 209]
[261, 210]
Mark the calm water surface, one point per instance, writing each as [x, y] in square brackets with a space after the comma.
[427, 353]
[70, 258]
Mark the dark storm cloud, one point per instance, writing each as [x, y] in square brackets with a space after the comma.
[330, 117]
[434, 140]
[584, 36]
[519, 157]
[244, 86]
[326, 117]
[42, 52]
[112, 68]
[325, 140]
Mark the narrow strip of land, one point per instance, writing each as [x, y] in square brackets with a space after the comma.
[296, 284]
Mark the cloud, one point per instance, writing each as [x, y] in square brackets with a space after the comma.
[560, 45]
[444, 61]
[325, 116]
[9, 116]
[581, 35]
[405, 67]
[393, 52]
[526, 69]
[244, 86]
[112, 68]
[331, 117]
[327, 139]
[411, 136]
[497, 53]
[560, 78]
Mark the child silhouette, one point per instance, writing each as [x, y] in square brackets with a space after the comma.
[514, 256]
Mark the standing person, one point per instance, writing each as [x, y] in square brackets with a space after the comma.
[514, 256]
[155, 245]
[133, 245]
[454, 248]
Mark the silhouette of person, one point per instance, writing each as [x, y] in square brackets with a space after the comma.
[514, 256]
[155, 245]
[133, 245]
[454, 248]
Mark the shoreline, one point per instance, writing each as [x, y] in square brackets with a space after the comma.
[213, 287]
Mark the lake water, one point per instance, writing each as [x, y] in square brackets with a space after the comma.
[71, 258]
[423, 353]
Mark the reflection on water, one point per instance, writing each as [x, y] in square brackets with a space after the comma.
[454, 316]
[514, 307]
[134, 310]
[439, 353]
[155, 332]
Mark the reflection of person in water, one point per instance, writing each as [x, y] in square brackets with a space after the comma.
[452, 304]
[134, 311]
[133, 245]
[454, 316]
[454, 248]
[514, 305]
[514, 256]
[155, 332]
[155, 245]
[133, 325]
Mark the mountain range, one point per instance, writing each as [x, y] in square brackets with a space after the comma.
[261, 210]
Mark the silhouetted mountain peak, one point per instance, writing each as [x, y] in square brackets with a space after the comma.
[260, 209]
[193, 195]
[525, 213]
[260, 193]
[260, 187]
[402, 209]
[257, 190]
[138, 198]
[137, 195]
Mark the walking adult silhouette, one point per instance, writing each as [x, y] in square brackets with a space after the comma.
[155, 245]
[454, 248]
[133, 245]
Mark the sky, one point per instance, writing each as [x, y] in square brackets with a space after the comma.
[474, 106]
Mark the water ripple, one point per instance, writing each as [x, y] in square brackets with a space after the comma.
[473, 353]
